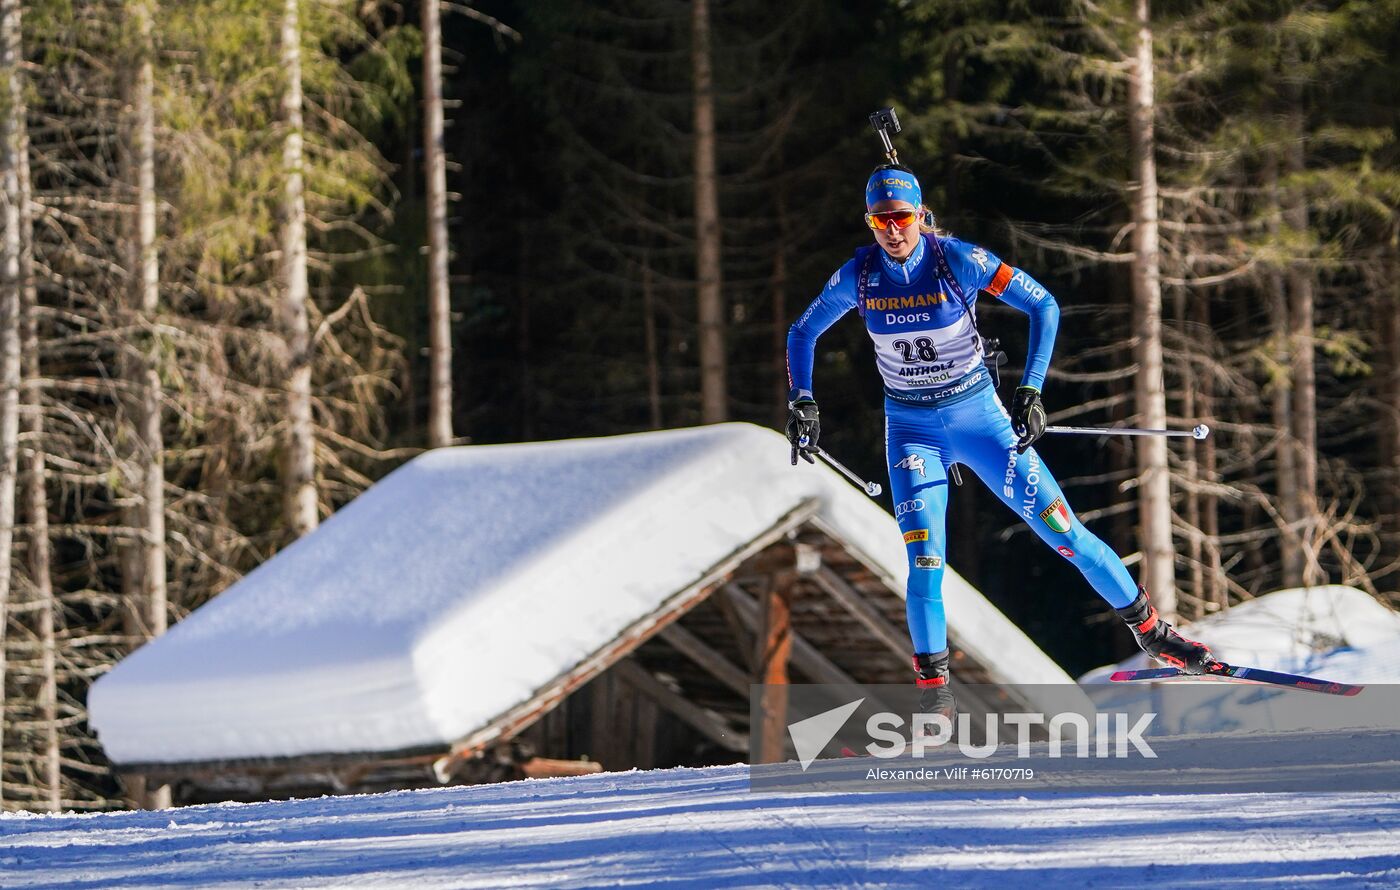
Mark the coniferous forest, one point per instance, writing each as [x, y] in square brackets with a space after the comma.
[240, 282]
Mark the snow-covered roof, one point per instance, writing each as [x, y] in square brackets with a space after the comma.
[471, 577]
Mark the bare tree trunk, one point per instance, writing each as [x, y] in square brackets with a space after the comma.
[150, 444]
[153, 479]
[130, 360]
[1122, 462]
[1191, 607]
[1300, 316]
[1280, 395]
[1154, 490]
[435, 170]
[146, 301]
[778, 286]
[36, 502]
[653, 359]
[1281, 409]
[1214, 593]
[1389, 438]
[11, 286]
[709, 282]
[299, 456]
[524, 346]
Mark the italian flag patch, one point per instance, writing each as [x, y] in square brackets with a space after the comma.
[1056, 516]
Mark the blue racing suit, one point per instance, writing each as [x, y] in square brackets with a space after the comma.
[941, 407]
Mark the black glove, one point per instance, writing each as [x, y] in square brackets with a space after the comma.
[803, 428]
[1027, 417]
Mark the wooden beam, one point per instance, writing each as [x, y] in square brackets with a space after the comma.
[507, 724]
[895, 640]
[742, 638]
[807, 657]
[698, 651]
[545, 768]
[647, 715]
[872, 565]
[773, 664]
[777, 631]
[703, 719]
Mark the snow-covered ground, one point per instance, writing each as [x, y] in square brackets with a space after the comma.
[705, 828]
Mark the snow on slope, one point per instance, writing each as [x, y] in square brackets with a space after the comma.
[469, 578]
[704, 828]
[1335, 632]
[1331, 632]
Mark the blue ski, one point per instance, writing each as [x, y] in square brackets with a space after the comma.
[1223, 671]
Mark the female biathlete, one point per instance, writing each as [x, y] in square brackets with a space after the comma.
[917, 290]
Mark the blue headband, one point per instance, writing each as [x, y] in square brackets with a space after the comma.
[897, 185]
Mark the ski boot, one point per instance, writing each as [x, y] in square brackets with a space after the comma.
[1160, 640]
[934, 695]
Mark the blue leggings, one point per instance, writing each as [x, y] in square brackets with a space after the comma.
[921, 441]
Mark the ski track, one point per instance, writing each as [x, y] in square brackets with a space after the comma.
[704, 828]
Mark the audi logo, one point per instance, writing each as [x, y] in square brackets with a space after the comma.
[913, 506]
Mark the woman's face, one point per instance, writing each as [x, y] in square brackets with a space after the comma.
[896, 242]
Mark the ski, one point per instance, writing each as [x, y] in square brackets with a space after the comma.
[1252, 675]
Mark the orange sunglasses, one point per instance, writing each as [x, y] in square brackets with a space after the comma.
[900, 219]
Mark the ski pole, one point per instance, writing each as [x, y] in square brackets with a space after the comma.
[886, 124]
[1200, 431]
[871, 488]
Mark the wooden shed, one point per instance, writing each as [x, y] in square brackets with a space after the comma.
[621, 629]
